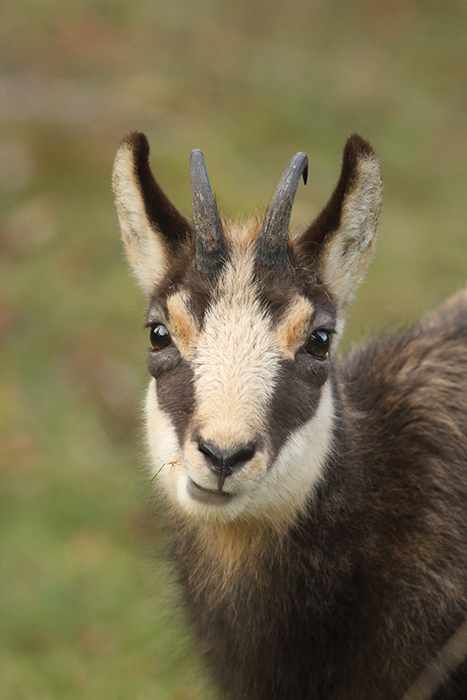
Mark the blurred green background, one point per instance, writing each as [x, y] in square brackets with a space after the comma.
[85, 611]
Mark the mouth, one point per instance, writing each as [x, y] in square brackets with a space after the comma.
[208, 496]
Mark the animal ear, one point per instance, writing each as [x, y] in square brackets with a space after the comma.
[152, 228]
[341, 239]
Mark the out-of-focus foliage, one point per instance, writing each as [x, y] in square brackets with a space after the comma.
[84, 610]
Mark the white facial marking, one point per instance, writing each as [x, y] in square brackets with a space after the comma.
[164, 447]
[235, 366]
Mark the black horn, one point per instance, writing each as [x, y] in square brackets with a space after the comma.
[273, 239]
[211, 249]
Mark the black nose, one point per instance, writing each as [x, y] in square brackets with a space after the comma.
[225, 462]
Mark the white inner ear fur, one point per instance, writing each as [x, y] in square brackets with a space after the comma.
[349, 250]
[144, 246]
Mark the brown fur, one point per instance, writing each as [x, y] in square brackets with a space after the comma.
[389, 531]
[343, 571]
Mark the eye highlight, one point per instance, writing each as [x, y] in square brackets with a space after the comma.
[318, 344]
[159, 336]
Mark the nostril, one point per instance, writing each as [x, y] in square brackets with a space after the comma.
[209, 450]
[226, 461]
[240, 456]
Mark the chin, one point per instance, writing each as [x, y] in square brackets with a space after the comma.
[202, 505]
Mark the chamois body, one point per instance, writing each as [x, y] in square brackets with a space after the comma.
[356, 598]
[318, 506]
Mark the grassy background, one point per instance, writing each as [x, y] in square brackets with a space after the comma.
[84, 610]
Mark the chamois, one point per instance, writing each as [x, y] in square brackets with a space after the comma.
[318, 505]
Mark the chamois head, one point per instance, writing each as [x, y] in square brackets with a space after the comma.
[242, 323]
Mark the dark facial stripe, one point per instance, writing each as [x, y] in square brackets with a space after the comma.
[175, 394]
[296, 396]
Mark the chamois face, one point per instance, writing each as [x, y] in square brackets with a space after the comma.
[246, 369]
[240, 401]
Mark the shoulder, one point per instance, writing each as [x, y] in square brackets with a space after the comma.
[417, 374]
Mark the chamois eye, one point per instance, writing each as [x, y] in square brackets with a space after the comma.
[159, 337]
[318, 344]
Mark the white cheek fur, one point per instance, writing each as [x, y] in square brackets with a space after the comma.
[164, 448]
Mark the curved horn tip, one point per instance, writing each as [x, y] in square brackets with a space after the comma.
[273, 239]
[305, 168]
[301, 160]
